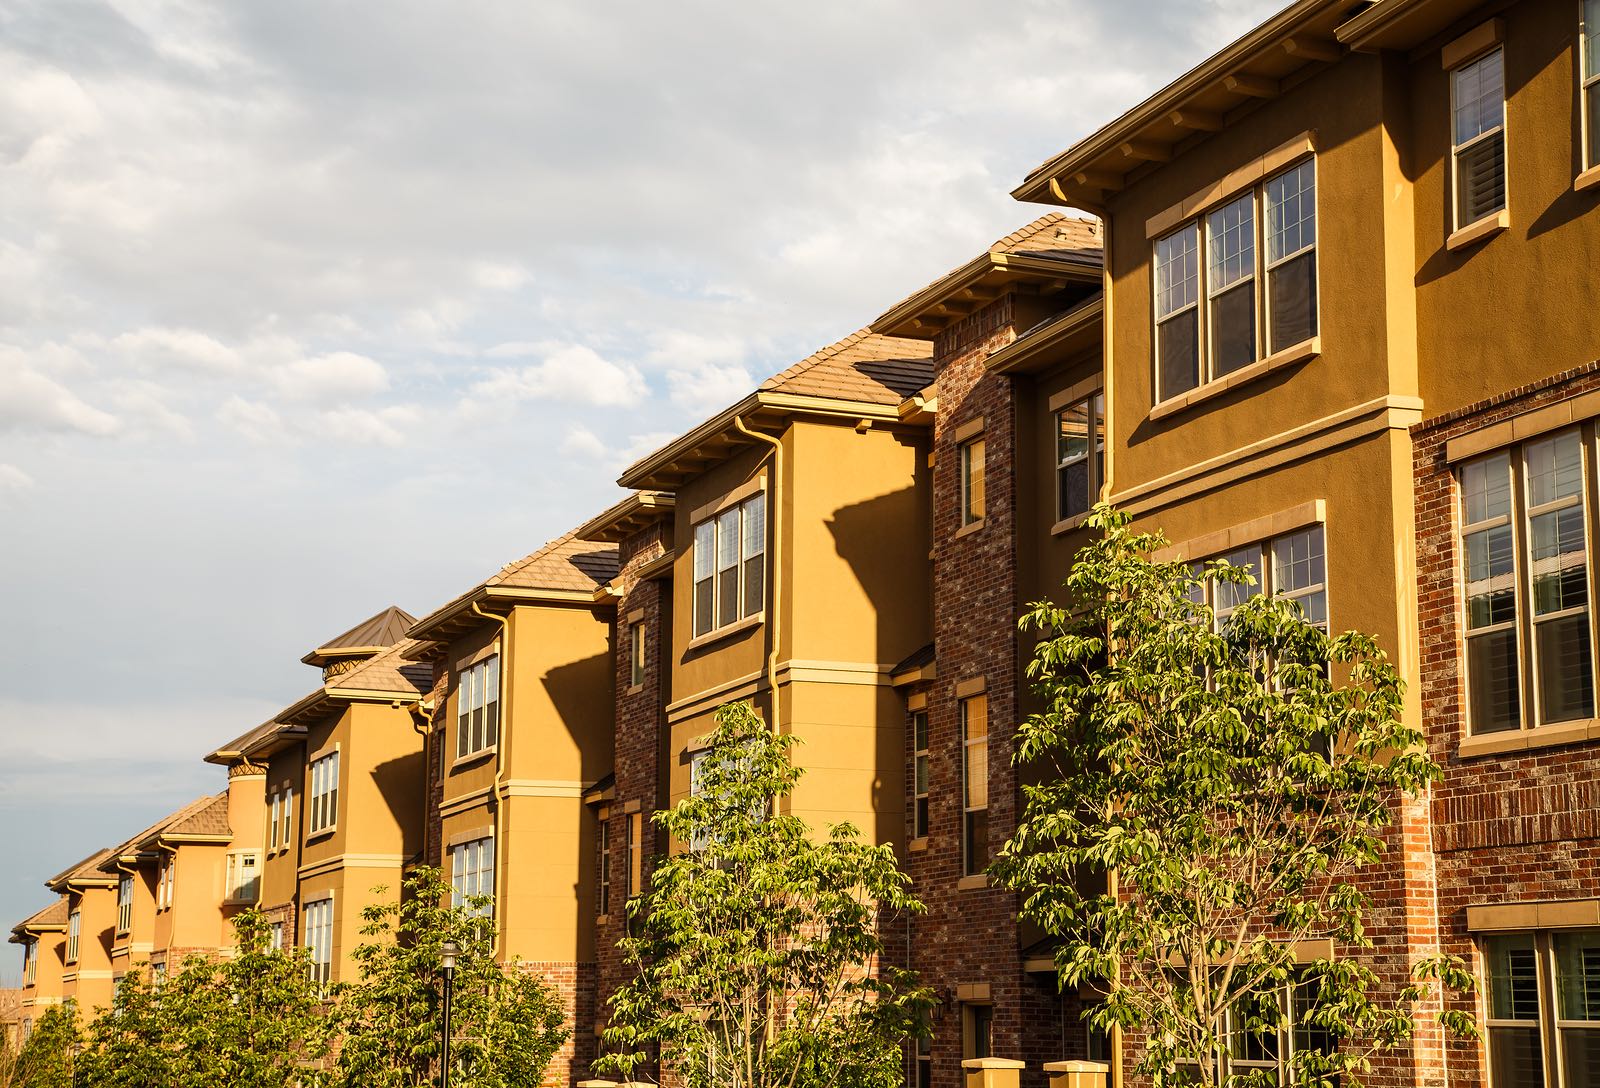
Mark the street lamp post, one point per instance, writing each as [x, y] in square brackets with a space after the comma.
[447, 961]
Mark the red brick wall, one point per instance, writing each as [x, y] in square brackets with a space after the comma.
[970, 936]
[1511, 827]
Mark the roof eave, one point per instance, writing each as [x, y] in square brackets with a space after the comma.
[907, 318]
[1080, 329]
[1401, 24]
[1047, 183]
[638, 511]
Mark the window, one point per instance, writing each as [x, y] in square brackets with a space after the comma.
[324, 793]
[274, 815]
[164, 881]
[472, 876]
[1080, 456]
[1242, 315]
[74, 926]
[1531, 976]
[1478, 137]
[603, 877]
[319, 939]
[977, 1031]
[729, 566]
[244, 877]
[975, 784]
[924, 1056]
[1589, 78]
[124, 903]
[1526, 585]
[275, 942]
[30, 962]
[478, 707]
[972, 481]
[919, 774]
[635, 854]
[288, 817]
[1293, 565]
[636, 634]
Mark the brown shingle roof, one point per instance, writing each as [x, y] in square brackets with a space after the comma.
[208, 817]
[389, 671]
[53, 915]
[864, 366]
[87, 869]
[385, 629]
[1056, 235]
[564, 563]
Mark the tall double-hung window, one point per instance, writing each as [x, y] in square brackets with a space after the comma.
[472, 875]
[1525, 575]
[1238, 283]
[30, 962]
[478, 707]
[1293, 565]
[1589, 82]
[1544, 1008]
[730, 550]
[74, 929]
[319, 939]
[1080, 455]
[124, 903]
[1478, 137]
[975, 784]
[324, 795]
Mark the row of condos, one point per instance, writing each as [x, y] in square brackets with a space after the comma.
[1337, 318]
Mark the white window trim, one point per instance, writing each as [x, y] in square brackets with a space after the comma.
[472, 742]
[482, 848]
[321, 970]
[314, 828]
[1096, 434]
[124, 904]
[233, 870]
[967, 744]
[743, 616]
[1501, 130]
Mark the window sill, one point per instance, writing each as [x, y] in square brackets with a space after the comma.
[1473, 233]
[313, 836]
[1066, 525]
[1522, 740]
[472, 757]
[602, 919]
[634, 689]
[967, 530]
[726, 632]
[972, 883]
[917, 845]
[1289, 356]
[1586, 180]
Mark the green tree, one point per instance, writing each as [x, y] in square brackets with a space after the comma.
[254, 1018]
[48, 1057]
[760, 949]
[1238, 781]
[507, 1022]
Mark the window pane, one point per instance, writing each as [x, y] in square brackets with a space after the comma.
[728, 539]
[1292, 301]
[1291, 199]
[921, 784]
[1097, 417]
[1233, 329]
[1486, 489]
[1578, 974]
[1560, 571]
[703, 591]
[1513, 978]
[1591, 37]
[1491, 597]
[754, 532]
[1231, 243]
[976, 844]
[972, 481]
[920, 732]
[705, 536]
[1591, 95]
[754, 587]
[1178, 351]
[1555, 468]
[1230, 595]
[1297, 560]
[1479, 97]
[1481, 179]
[1072, 433]
[1566, 683]
[1074, 484]
[1177, 270]
[1580, 1054]
[1495, 700]
[728, 596]
[1514, 1058]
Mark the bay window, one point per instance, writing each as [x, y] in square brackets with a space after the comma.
[1252, 306]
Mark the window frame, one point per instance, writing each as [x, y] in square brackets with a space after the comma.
[706, 618]
[165, 879]
[1548, 1023]
[1268, 576]
[124, 903]
[973, 498]
[969, 811]
[235, 887]
[1260, 279]
[287, 838]
[317, 938]
[322, 794]
[1525, 621]
[603, 877]
[1500, 131]
[274, 813]
[637, 646]
[921, 774]
[1093, 455]
[30, 961]
[472, 868]
[74, 933]
[1589, 123]
[479, 691]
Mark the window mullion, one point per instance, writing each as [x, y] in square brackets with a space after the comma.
[1522, 589]
[1549, 1036]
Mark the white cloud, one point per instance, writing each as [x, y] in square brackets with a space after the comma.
[707, 386]
[580, 441]
[568, 372]
[390, 426]
[337, 376]
[13, 480]
[157, 347]
[31, 401]
[259, 423]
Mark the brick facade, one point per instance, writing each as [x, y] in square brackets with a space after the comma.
[1511, 827]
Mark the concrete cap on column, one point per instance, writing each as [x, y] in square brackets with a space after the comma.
[597, 1084]
[992, 1072]
[1077, 1074]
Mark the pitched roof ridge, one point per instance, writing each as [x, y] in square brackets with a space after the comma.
[56, 912]
[1026, 231]
[199, 810]
[418, 675]
[915, 351]
[86, 866]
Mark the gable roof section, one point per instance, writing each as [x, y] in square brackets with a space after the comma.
[1197, 103]
[391, 671]
[84, 873]
[866, 375]
[51, 919]
[207, 819]
[1052, 250]
[567, 570]
[369, 636]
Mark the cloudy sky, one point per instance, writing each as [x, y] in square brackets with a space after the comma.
[311, 307]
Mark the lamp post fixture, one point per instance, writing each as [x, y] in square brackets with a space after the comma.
[447, 962]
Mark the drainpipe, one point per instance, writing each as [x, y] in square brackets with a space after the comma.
[422, 712]
[777, 566]
[499, 770]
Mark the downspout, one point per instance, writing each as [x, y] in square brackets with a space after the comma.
[423, 712]
[499, 770]
[773, 513]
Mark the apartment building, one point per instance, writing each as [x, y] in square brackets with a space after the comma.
[43, 937]
[338, 792]
[1349, 273]
[520, 727]
[90, 898]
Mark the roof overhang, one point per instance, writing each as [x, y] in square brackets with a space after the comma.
[718, 437]
[633, 514]
[30, 930]
[68, 884]
[1199, 102]
[977, 283]
[1078, 331]
[324, 656]
[458, 617]
[1403, 24]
